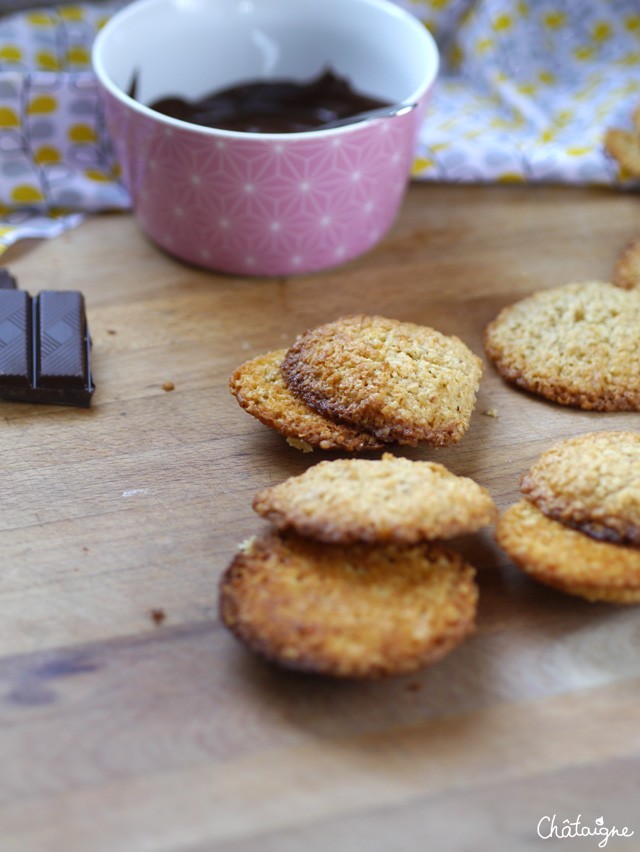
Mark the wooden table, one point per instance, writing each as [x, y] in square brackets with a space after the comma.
[131, 720]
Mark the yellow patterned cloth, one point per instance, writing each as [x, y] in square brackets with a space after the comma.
[56, 162]
[526, 91]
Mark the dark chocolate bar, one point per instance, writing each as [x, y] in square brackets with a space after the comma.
[7, 281]
[45, 348]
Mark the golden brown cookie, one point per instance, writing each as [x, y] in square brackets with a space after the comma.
[624, 147]
[357, 611]
[576, 345]
[626, 272]
[591, 483]
[259, 387]
[402, 382]
[391, 500]
[567, 559]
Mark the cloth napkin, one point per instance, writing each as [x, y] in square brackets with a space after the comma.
[526, 91]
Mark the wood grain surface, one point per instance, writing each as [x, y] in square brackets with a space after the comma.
[128, 732]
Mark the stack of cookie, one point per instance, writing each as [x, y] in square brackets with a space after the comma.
[360, 382]
[353, 580]
[579, 527]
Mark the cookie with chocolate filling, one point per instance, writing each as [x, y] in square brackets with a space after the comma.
[567, 559]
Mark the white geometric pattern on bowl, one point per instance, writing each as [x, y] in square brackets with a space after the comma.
[271, 207]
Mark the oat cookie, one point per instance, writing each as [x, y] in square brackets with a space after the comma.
[387, 500]
[626, 272]
[624, 147]
[402, 382]
[576, 345]
[259, 387]
[567, 559]
[591, 483]
[357, 611]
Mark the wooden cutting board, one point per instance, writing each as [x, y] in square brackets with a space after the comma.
[131, 720]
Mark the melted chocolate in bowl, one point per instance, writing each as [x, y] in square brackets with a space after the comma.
[272, 106]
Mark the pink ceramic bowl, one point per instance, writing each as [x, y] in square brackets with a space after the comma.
[263, 203]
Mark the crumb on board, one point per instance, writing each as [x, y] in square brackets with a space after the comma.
[168, 386]
[491, 412]
[111, 331]
[158, 616]
[246, 545]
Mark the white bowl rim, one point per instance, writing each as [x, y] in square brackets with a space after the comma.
[217, 132]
